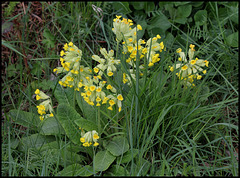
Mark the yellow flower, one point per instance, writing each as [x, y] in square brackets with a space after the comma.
[38, 97]
[139, 27]
[119, 97]
[150, 64]
[88, 93]
[98, 99]
[92, 88]
[171, 69]
[184, 67]
[96, 144]
[158, 36]
[206, 62]
[110, 73]
[110, 108]
[62, 53]
[109, 87]
[111, 102]
[51, 115]
[37, 91]
[98, 90]
[179, 50]
[193, 62]
[204, 71]
[192, 47]
[96, 70]
[180, 59]
[70, 44]
[82, 139]
[119, 109]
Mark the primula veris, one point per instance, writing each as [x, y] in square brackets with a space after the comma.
[189, 69]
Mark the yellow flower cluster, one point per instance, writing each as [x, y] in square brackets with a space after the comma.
[189, 69]
[91, 80]
[123, 30]
[44, 106]
[88, 138]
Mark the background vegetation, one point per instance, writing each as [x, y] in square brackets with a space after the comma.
[170, 131]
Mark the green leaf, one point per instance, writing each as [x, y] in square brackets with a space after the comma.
[89, 112]
[159, 22]
[180, 3]
[184, 11]
[232, 40]
[86, 124]
[35, 141]
[233, 13]
[62, 156]
[148, 6]
[26, 119]
[122, 7]
[181, 20]
[103, 160]
[200, 17]
[51, 126]
[76, 170]
[127, 157]
[67, 116]
[117, 170]
[64, 95]
[137, 5]
[118, 146]
[49, 40]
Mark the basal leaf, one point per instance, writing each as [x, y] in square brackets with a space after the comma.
[127, 157]
[89, 111]
[200, 17]
[232, 39]
[103, 160]
[118, 146]
[86, 124]
[24, 118]
[117, 170]
[67, 116]
[64, 95]
[76, 170]
[51, 126]
[35, 141]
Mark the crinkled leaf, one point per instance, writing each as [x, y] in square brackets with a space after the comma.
[24, 118]
[118, 146]
[64, 95]
[127, 157]
[76, 170]
[232, 40]
[117, 170]
[51, 126]
[89, 111]
[200, 17]
[103, 160]
[49, 39]
[67, 116]
[86, 124]
[35, 141]
[122, 7]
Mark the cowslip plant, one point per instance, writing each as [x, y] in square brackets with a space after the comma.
[95, 90]
[188, 70]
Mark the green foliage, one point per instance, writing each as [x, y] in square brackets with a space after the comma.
[76, 170]
[103, 160]
[24, 118]
[49, 39]
[67, 117]
[10, 8]
[118, 146]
